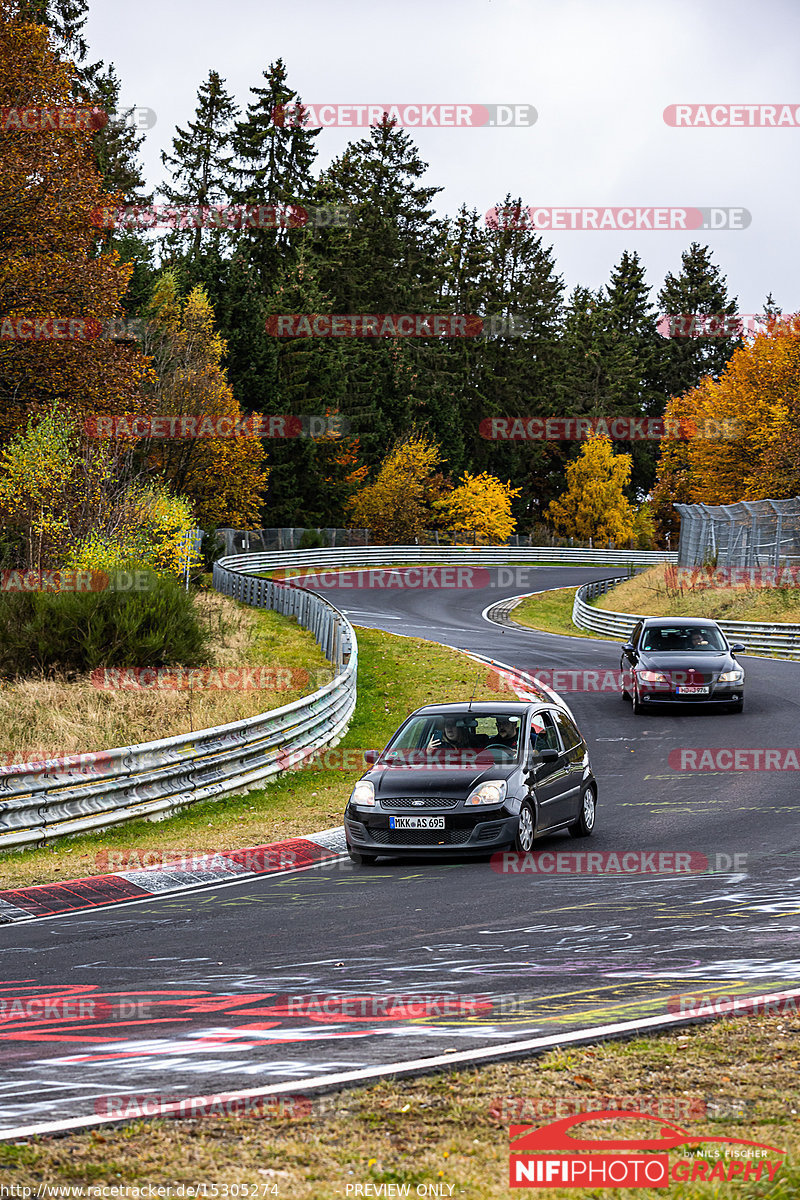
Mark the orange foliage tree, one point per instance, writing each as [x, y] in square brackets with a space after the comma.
[740, 433]
[53, 264]
[224, 478]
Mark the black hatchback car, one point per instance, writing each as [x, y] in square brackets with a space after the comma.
[681, 660]
[473, 779]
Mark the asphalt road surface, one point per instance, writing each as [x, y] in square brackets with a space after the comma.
[292, 977]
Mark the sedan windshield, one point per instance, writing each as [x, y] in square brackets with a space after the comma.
[682, 639]
[435, 733]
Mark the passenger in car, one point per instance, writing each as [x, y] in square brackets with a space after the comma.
[454, 736]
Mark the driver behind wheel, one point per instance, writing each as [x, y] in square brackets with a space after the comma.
[507, 732]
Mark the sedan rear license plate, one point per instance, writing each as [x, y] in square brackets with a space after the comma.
[416, 822]
[692, 691]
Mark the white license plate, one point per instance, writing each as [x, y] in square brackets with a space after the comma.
[692, 691]
[416, 822]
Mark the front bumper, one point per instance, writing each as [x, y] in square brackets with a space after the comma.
[719, 693]
[368, 830]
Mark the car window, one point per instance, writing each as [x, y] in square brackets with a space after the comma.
[543, 733]
[637, 629]
[569, 733]
[682, 639]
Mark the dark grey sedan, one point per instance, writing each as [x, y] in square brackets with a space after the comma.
[681, 660]
[473, 779]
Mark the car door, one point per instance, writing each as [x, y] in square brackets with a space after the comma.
[628, 658]
[549, 780]
[574, 749]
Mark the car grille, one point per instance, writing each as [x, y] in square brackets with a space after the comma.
[690, 679]
[419, 802]
[421, 837]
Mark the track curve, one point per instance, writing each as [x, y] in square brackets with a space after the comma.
[211, 980]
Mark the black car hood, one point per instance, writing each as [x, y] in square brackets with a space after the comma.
[676, 660]
[429, 781]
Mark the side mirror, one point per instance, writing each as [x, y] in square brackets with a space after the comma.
[370, 756]
[738, 648]
[544, 756]
[629, 648]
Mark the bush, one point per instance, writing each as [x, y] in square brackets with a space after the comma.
[75, 632]
[312, 539]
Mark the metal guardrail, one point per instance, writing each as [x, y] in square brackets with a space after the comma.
[43, 801]
[356, 556]
[773, 638]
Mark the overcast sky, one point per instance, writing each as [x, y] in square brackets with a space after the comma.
[599, 74]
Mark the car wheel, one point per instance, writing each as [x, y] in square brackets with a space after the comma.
[625, 695]
[636, 704]
[525, 829]
[361, 860]
[584, 826]
[738, 706]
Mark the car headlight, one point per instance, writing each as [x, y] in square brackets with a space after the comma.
[733, 676]
[363, 793]
[491, 792]
[652, 676]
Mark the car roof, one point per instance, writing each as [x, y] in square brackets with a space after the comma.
[482, 708]
[650, 622]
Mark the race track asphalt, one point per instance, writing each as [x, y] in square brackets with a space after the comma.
[297, 976]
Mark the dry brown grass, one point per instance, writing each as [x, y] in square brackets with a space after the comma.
[648, 593]
[47, 718]
[449, 1129]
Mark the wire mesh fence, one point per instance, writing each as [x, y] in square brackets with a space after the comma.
[751, 533]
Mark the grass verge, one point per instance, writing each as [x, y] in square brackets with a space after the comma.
[395, 676]
[451, 1129]
[47, 718]
[551, 612]
[652, 594]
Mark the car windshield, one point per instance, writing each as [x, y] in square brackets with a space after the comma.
[682, 639]
[470, 732]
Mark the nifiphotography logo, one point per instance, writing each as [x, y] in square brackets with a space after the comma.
[551, 1156]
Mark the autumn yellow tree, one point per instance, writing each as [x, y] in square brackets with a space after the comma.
[224, 478]
[54, 263]
[740, 433]
[594, 505]
[75, 502]
[479, 506]
[394, 508]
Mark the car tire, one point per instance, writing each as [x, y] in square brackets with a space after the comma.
[636, 704]
[584, 826]
[526, 829]
[624, 692]
[361, 860]
[738, 706]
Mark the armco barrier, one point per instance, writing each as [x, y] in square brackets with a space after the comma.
[40, 802]
[775, 639]
[485, 556]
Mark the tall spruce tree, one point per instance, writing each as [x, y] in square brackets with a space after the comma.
[699, 287]
[274, 156]
[201, 165]
[389, 259]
